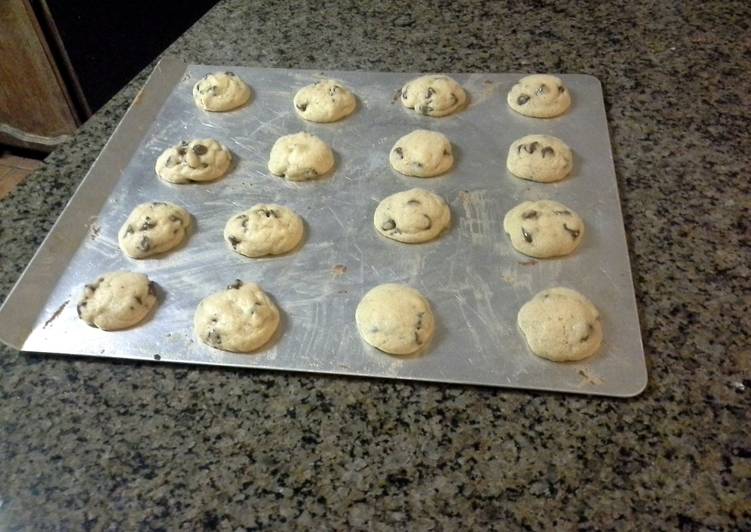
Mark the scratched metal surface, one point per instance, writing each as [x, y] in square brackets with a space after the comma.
[473, 278]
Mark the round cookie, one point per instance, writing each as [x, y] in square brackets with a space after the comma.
[194, 161]
[412, 216]
[240, 319]
[324, 101]
[433, 95]
[300, 156]
[117, 300]
[422, 153]
[543, 228]
[395, 318]
[539, 96]
[264, 230]
[539, 158]
[153, 228]
[220, 91]
[561, 325]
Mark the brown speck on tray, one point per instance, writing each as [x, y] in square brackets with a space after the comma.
[397, 94]
[528, 263]
[589, 378]
[55, 314]
[137, 99]
[338, 270]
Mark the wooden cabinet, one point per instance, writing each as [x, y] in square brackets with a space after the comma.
[36, 110]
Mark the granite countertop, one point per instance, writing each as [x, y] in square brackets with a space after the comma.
[100, 444]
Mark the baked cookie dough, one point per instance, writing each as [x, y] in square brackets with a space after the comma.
[412, 216]
[433, 95]
[220, 91]
[543, 228]
[422, 153]
[539, 158]
[194, 161]
[539, 96]
[324, 101]
[153, 228]
[264, 230]
[561, 325]
[240, 319]
[300, 156]
[395, 318]
[117, 300]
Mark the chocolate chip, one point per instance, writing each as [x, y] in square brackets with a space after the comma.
[446, 153]
[233, 241]
[388, 225]
[404, 92]
[590, 330]
[148, 223]
[79, 307]
[527, 236]
[454, 99]
[531, 147]
[562, 213]
[417, 338]
[200, 149]
[269, 213]
[144, 244]
[522, 99]
[180, 151]
[333, 90]
[413, 202]
[302, 106]
[573, 232]
[430, 222]
[138, 300]
[561, 90]
[234, 286]
[157, 203]
[230, 73]
[547, 150]
[213, 337]
[399, 152]
[542, 89]
[175, 218]
[430, 92]
[527, 215]
[310, 172]
[425, 109]
[152, 288]
[129, 230]
[243, 220]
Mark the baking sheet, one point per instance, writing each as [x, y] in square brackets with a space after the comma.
[473, 278]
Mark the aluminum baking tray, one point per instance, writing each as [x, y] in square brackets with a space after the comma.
[473, 278]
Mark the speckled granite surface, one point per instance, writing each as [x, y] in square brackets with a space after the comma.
[114, 445]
